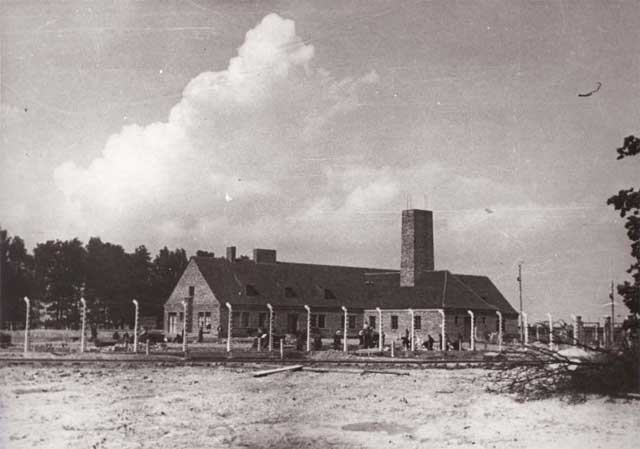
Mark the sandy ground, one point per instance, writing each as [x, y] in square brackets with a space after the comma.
[214, 407]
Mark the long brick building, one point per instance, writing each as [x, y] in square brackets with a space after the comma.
[417, 291]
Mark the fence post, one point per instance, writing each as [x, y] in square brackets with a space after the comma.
[184, 328]
[499, 330]
[574, 324]
[550, 331]
[380, 348]
[413, 329]
[135, 325]
[270, 327]
[473, 332]
[443, 333]
[84, 318]
[344, 344]
[229, 326]
[26, 325]
[525, 325]
[537, 332]
[308, 309]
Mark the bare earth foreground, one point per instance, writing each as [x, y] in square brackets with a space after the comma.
[214, 407]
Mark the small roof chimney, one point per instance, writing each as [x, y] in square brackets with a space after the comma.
[264, 255]
[231, 253]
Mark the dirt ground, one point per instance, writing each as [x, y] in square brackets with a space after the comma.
[214, 407]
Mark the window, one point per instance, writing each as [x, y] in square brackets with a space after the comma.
[235, 320]
[394, 321]
[328, 294]
[250, 290]
[289, 292]
[372, 321]
[352, 321]
[192, 291]
[313, 321]
[244, 317]
[262, 319]
[200, 320]
[455, 320]
[417, 322]
[321, 321]
[207, 321]
[484, 320]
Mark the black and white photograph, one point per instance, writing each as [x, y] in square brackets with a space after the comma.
[319, 224]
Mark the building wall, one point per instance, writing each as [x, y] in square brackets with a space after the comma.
[245, 320]
[430, 323]
[203, 300]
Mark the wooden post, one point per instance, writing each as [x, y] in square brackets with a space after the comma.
[229, 326]
[270, 327]
[84, 318]
[147, 347]
[26, 325]
[308, 309]
[499, 330]
[413, 330]
[473, 332]
[550, 331]
[537, 332]
[281, 349]
[344, 344]
[379, 329]
[443, 344]
[525, 326]
[135, 325]
[393, 347]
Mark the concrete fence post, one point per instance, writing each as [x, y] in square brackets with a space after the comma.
[26, 324]
[412, 336]
[380, 348]
[308, 309]
[270, 326]
[393, 347]
[184, 328]
[84, 319]
[499, 330]
[574, 325]
[135, 325]
[473, 331]
[443, 333]
[229, 326]
[525, 328]
[550, 331]
[537, 332]
[344, 344]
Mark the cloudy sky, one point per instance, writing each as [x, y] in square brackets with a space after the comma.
[308, 126]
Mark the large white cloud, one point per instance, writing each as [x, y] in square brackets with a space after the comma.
[273, 151]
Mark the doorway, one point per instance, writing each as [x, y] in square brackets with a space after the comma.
[292, 323]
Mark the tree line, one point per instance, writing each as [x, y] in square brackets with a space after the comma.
[59, 272]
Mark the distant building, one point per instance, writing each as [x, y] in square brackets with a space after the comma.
[249, 285]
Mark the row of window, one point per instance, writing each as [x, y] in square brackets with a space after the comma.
[289, 292]
[317, 320]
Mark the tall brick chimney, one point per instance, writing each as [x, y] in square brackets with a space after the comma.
[231, 253]
[417, 246]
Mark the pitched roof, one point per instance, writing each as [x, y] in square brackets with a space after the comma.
[483, 286]
[307, 282]
[435, 290]
[353, 287]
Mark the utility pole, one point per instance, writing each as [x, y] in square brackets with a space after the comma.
[613, 328]
[3, 236]
[520, 289]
